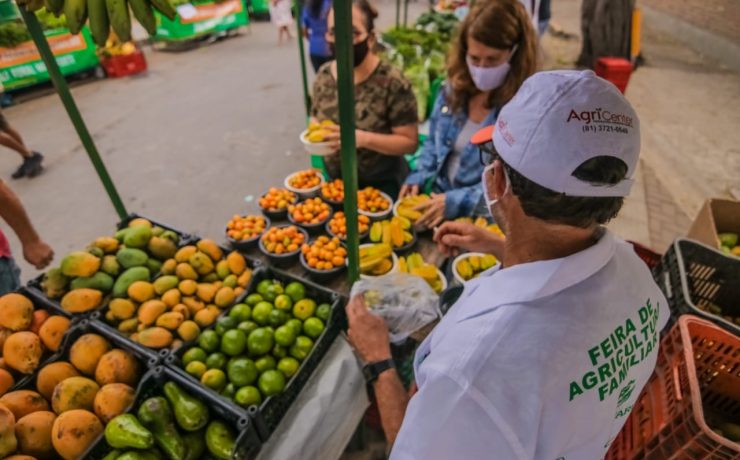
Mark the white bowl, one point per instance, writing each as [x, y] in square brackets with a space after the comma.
[382, 215]
[442, 277]
[316, 148]
[393, 269]
[457, 259]
[304, 193]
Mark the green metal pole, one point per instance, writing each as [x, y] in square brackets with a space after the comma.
[69, 104]
[346, 94]
[405, 13]
[398, 13]
[301, 53]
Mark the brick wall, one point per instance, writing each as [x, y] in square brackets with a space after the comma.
[721, 17]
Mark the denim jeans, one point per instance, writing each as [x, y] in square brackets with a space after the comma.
[10, 275]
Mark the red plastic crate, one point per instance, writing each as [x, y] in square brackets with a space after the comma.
[616, 70]
[696, 383]
[124, 65]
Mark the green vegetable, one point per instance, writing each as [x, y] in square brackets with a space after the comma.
[220, 440]
[728, 239]
[191, 414]
[156, 415]
[126, 431]
[113, 455]
[195, 444]
[141, 455]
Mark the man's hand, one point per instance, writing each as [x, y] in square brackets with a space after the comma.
[433, 211]
[451, 237]
[334, 137]
[408, 190]
[38, 253]
[367, 333]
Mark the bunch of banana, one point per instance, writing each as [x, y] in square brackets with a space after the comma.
[316, 131]
[414, 264]
[376, 260]
[105, 14]
[473, 265]
[406, 207]
[395, 232]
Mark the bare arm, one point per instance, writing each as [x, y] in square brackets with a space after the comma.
[402, 140]
[35, 251]
[392, 401]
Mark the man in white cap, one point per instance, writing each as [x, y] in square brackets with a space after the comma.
[543, 355]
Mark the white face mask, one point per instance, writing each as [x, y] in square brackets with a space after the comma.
[489, 78]
[490, 202]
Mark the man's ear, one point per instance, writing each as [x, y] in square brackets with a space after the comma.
[499, 180]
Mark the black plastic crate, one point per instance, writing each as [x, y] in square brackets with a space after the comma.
[247, 443]
[185, 238]
[269, 414]
[700, 280]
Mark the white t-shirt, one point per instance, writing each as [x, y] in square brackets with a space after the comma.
[538, 361]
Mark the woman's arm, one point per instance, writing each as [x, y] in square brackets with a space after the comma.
[401, 141]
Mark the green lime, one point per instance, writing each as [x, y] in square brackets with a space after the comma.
[265, 363]
[296, 291]
[196, 369]
[194, 354]
[288, 366]
[209, 340]
[313, 327]
[323, 312]
[296, 324]
[283, 302]
[261, 313]
[225, 324]
[234, 342]
[260, 342]
[304, 309]
[241, 312]
[271, 329]
[271, 382]
[254, 299]
[248, 396]
[242, 371]
[301, 348]
[216, 361]
[229, 391]
[285, 335]
[279, 351]
[278, 318]
[273, 291]
[262, 287]
[215, 379]
[247, 326]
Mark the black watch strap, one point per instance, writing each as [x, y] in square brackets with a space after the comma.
[372, 371]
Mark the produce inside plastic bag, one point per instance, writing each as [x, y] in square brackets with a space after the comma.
[406, 302]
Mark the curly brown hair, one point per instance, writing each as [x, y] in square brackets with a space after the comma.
[499, 24]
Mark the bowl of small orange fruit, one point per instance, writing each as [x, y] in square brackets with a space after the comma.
[311, 214]
[337, 226]
[324, 258]
[306, 184]
[243, 232]
[274, 204]
[333, 193]
[374, 204]
[282, 244]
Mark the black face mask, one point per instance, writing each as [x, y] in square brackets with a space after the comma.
[360, 51]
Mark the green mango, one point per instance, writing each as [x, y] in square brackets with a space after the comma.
[170, 235]
[728, 239]
[191, 413]
[137, 237]
[162, 248]
[220, 440]
[120, 288]
[157, 231]
[55, 283]
[100, 281]
[110, 265]
[165, 283]
[195, 444]
[130, 257]
[154, 266]
[121, 234]
[96, 251]
[156, 414]
[125, 431]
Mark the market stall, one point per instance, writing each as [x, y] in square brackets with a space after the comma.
[196, 19]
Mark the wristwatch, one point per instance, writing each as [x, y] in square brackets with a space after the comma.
[372, 371]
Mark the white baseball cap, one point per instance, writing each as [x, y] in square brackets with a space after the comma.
[560, 119]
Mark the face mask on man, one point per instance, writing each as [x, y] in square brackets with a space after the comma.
[490, 202]
[489, 78]
[359, 50]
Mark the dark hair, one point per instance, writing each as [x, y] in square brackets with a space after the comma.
[369, 12]
[545, 204]
[315, 7]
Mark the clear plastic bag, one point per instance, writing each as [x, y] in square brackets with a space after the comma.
[406, 302]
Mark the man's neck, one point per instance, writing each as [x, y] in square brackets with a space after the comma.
[536, 240]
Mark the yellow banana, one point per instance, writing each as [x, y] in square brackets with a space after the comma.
[166, 8]
[119, 18]
[143, 13]
[76, 13]
[99, 23]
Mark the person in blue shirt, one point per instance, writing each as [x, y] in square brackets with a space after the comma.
[495, 51]
[314, 16]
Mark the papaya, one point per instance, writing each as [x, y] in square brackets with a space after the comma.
[201, 263]
[52, 332]
[117, 366]
[183, 254]
[140, 221]
[151, 310]
[113, 400]
[74, 393]
[24, 402]
[155, 337]
[165, 283]
[168, 267]
[137, 237]
[6, 381]
[16, 312]
[127, 278]
[80, 263]
[22, 351]
[237, 263]
[54, 283]
[210, 248]
[122, 309]
[100, 281]
[51, 375]
[82, 300]
[154, 266]
[108, 244]
[141, 291]
[8, 441]
[161, 248]
[131, 257]
[33, 432]
[39, 318]
[185, 271]
[110, 265]
[73, 432]
[87, 351]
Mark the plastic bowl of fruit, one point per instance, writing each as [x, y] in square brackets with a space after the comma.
[377, 260]
[396, 232]
[314, 138]
[324, 258]
[274, 204]
[405, 207]
[243, 232]
[282, 245]
[374, 204]
[337, 226]
[470, 265]
[414, 264]
[312, 214]
[306, 184]
[333, 193]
